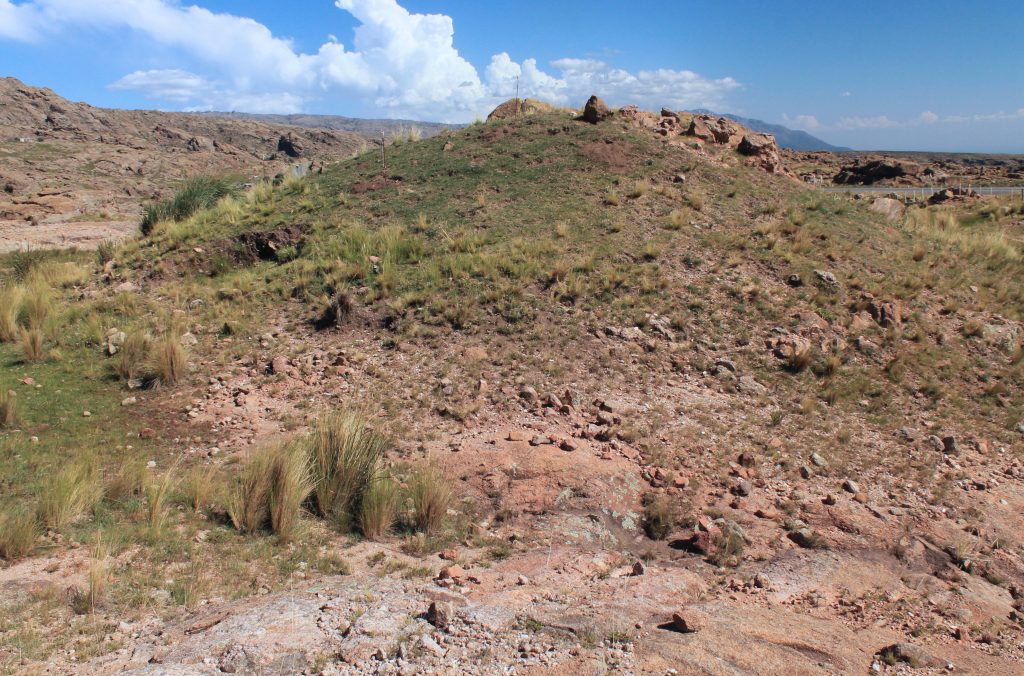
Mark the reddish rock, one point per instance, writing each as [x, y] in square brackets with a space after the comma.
[453, 572]
[688, 621]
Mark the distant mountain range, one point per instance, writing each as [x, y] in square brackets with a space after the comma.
[794, 139]
[363, 127]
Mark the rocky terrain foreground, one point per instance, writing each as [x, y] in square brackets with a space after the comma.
[694, 416]
[79, 175]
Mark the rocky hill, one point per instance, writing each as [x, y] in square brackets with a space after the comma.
[80, 174]
[636, 400]
[370, 128]
[908, 169]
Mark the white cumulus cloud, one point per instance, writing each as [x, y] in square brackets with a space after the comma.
[856, 122]
[18, 22]
[808, 122]
[403, 63]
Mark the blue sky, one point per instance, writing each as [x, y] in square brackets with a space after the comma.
[933, 75]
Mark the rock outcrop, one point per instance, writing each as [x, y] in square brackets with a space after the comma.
[596, 110]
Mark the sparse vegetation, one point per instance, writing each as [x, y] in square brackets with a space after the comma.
[201, 192]
[70, 494]
[18, 531]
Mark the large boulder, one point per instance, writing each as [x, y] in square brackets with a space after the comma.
[596, 110]
[290, 146]
[714, 130]
[763, 151]
[892, 209]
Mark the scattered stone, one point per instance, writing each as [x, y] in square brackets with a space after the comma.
[949, 445]
[741, 487]
[128, 401]
[850, 486]
[454, 572]
[431, 646]
[817, 460]
[827, 279]
[794, 281]
[804, 537]
[86, 414]
[279, 365]
[911, 654]
[528, 394]
[688, 621]
[440, 614]
[748, 385]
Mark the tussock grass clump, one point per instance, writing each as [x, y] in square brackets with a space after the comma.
[345, 455]
[638, 189]
[25, 261]
[11, 297]
[156, 499]
[18, 532]
[8, 409]
[289, 489]
[129, 482]
[131, 356]
[378, 511]
[271, 491]
[430, 497]
[168, 360]
[99, 572]
[105, 252]
[31, 343]
[197, 194]
[37, 307]
[199, 487]
[659, 516]
[69, 495]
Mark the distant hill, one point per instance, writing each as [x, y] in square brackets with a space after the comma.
[369, 128]
[793, 139]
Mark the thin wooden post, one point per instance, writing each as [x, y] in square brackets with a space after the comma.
[383, 154]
